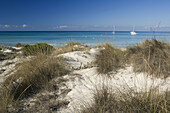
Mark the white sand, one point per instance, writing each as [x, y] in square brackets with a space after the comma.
[7, 51]
[9, 67]
[17, 48]
[83, 87]
[80, 59]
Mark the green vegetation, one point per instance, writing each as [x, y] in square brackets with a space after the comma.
[72, 46]
[31, 76]
[105, 101]
[5, 100]
[18, 45]
[2, 47]
[74, 43]
[109, 59]
[37, 49]
[151, 57]
[34, 75]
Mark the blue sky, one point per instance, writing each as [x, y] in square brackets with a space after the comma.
[83, 15]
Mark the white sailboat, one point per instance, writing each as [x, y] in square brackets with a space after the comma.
[113, 32]
[133, 32]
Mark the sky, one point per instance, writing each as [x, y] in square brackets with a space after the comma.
[84, 15]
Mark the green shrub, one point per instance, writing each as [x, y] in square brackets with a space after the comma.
[109, 59]
[2, 47]
[69, 48]
[105, 101]
[5, 100]
[34, 75]
[74, 43]
[18, 45]
[37, 48]
[151, 57]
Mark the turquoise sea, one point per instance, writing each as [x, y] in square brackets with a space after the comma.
[59, 38]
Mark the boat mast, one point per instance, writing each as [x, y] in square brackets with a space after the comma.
[133, 28]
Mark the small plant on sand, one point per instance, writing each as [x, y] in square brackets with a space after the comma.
[37, 49]
[74, 43]
[151, 57]
[18, 45]
[109, 59]
[72, 46]
[5, 100]
[105, 101]
[2, 47]
[34, 75]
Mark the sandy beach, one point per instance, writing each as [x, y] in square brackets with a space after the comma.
[80, 84]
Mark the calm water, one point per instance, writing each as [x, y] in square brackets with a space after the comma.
[59, 38]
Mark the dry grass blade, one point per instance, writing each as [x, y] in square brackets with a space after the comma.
[151, 57]
[72, 46]
[105, 101]
[109, 59]
[34, 75]
[36, 49]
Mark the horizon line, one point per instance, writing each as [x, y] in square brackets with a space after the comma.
[81, 31]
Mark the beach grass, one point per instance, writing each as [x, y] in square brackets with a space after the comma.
[105, 101]
[69, 47]
[34, 75]
[151, 57]
[6, 100]
[18, 45]
[109, 59]
[38, 48]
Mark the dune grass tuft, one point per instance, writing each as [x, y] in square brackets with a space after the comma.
[109, 59]
[18, 45]
[34, 75]
[105, 101]
[6, 99]
[2, 47]
[72, 46]
[151, 57]
[37, 49]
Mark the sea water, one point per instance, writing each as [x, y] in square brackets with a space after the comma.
[91, 38]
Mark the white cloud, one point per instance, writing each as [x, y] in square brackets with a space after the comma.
[24, 25]
[6, 26]
[55, 27]
[13, 26]
[59, 27]
[63, 26]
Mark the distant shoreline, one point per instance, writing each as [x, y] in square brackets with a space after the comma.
[91, 38]
[88, 31]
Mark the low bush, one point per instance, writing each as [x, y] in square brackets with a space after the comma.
[151, 57]
[74, 43]
[37, 49]
[109, 59]
[18, 45]
[34, 75]
[6, 99]
[72, 46]
[105, 101]
[2, 47]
